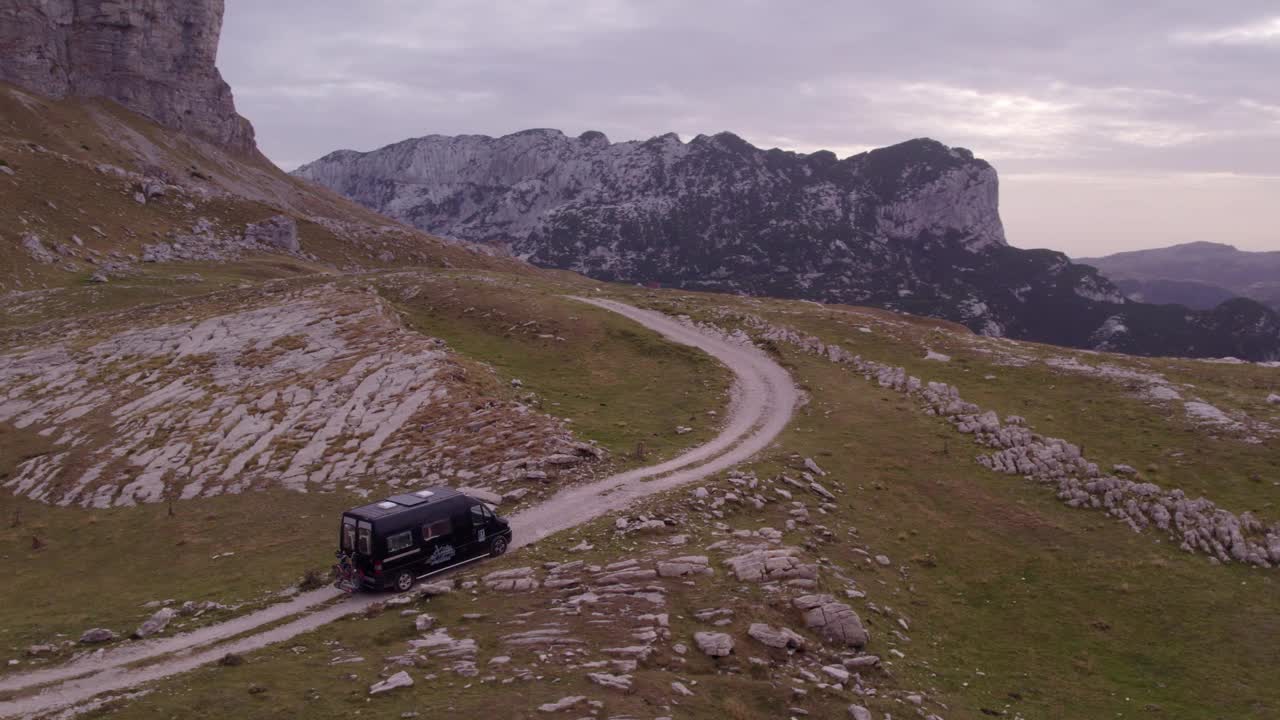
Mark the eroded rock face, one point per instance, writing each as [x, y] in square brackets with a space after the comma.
[151, 56]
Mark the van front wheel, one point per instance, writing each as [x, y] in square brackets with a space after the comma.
[404, 580]
[497, 547]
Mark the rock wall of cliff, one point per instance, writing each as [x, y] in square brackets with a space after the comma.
[154, 57]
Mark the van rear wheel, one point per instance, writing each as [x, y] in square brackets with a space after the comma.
[497, 547]
[405, 580]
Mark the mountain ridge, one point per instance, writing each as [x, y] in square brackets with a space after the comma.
[913, 227]
[1194, 274]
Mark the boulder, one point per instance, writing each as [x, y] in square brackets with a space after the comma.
[513, 580]
[686, 565]
[615, 682]
[836, 672]
[857, 712]
[862, 662]
[833, 620]
[399, 680]
[441, 587]
[781, 638]
[563, 703]
[485, 496]
[714, 644]
[1274, 399]
[155, 624]
[36, 249]
[768, 565]
[97, 635]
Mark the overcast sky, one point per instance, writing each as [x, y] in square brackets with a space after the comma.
[1112, 127]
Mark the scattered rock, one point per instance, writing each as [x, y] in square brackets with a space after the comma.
[1274, 399]
[485, 496]
[155, 624]
[36, 249]
[442, 587]
[681, 688]
[857, 712]
[781, 638]
[514, 580]
[834, 620]
[97, 635]
[770, 565]
[615, 682]
[279, 231]
[687, 565]
[563, 703]
[714, 644]
[399, 680]
[836, 672]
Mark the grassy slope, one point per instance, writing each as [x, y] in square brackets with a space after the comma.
[1018, 604]
[98, 567]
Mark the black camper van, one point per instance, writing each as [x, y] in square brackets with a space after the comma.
[392, 543]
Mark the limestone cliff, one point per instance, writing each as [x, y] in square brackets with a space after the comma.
[153, 57]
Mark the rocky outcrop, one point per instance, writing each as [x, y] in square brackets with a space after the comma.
[153, 57]
[912, 227]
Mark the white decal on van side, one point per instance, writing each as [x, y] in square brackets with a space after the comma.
[442, 553]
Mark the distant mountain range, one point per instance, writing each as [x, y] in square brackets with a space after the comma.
[1199, 275]
[912, 227]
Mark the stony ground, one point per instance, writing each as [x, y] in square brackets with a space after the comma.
[316, 389]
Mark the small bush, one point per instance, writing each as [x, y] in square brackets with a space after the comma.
[312, 579]
[231, 660]
[374, 610]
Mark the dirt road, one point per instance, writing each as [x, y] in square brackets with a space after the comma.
[763, 399]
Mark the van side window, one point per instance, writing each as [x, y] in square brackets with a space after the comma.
[363, 546]
[436, 529]
[478, 515]
[399, 541]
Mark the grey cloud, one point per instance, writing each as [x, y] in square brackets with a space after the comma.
[1080, 88]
